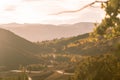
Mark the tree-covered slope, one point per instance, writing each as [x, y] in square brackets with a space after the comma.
[82, 44]
[59, 45]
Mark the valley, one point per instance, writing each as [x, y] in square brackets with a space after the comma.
[48, 60]
[86, 50]
[22, 58]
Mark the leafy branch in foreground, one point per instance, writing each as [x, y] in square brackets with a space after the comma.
[110, 25]
[104, 67]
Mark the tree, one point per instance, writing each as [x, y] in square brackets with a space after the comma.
[110, 25]
[104, 67]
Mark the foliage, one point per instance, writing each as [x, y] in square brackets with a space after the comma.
[104, 67]
[36, 67]
[82, 44]
[60, 45]
[110, 25]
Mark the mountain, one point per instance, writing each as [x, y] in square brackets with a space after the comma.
[41, 32]
[15, 50]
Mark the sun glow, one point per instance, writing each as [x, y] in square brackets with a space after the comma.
[37, 11]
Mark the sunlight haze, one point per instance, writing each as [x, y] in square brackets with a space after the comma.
[39, 11]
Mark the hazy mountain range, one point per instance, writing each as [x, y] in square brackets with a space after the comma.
[15, 50]
[41, 32]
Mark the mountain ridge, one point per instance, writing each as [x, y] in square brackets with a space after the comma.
[41, 32]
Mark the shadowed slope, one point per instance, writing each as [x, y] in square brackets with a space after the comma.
[15, 50]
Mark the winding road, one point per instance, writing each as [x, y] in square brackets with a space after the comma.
[62, 72]
[29, 78]
[17, 71]
[58, 71]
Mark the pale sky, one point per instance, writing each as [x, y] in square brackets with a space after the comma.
[39, 11]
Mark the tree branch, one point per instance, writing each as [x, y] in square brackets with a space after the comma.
[90, 4]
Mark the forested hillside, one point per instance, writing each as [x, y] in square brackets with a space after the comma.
[106, 66]
[82, 44]
[59, 45]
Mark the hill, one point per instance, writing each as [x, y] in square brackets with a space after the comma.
[41, 32]
[15, 50]
[81, 44]
[59, 45]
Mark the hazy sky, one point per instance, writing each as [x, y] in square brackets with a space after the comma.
[39, 11]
